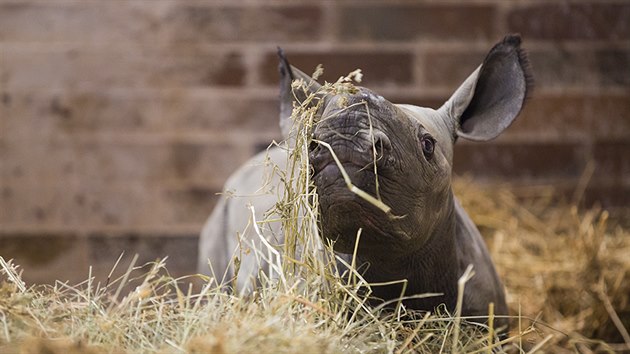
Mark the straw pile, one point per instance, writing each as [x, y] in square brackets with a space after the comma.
[570, 268]
[566, 273]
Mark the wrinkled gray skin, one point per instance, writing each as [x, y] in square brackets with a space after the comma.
[432, 240]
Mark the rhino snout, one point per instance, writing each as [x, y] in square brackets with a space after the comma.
[361, 149]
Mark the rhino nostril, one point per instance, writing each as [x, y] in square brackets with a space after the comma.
[382, 145]
[378, 148]
[313, 146]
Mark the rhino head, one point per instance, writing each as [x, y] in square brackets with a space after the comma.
[403, 154]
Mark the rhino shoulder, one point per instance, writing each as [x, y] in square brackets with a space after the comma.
[255, 183]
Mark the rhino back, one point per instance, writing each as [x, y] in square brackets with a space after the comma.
[219, 240]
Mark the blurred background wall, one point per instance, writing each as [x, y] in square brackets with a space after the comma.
[120, 120]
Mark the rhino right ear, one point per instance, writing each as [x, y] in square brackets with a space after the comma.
[288, 96]
[491, 98]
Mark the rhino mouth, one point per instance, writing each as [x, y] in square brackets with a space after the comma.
[362, 159]
[332, 172]
[327, 174]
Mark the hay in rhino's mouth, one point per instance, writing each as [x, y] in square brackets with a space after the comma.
[333, 190]
[330, 176]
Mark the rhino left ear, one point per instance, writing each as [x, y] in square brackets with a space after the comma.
[288, 73]
[491, 98]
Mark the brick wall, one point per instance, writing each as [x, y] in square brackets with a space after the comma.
[120, 120]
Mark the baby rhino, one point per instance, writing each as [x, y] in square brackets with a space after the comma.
[427, 239]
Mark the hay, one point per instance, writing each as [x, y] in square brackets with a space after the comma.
[569, 268]
[566, 273]
[557, 264]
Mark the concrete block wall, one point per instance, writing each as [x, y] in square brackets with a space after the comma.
[120, 120]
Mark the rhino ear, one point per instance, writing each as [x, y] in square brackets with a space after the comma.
[288, 96]
[491, 98]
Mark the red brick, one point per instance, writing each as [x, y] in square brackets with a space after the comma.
[448, 68]
[614, 66]
[191, 204]
[83, 68]
[49, 256]
[6, 193]
[61, 113]
[232, 72]
[46, 256]
[393, 22]
[574, 115]
[421, 101]
[119, 162]
[76, 22]
[580, 67]
[159, 162]
[112, 183]
[612, 160]
[520, 160]
[233, 113]
[379, 68]
[199, 68]
[590, 21]
[33, 161]
[130, 205]
[31, 114]
[54, 202]
[105, 248]
[31, 249]
[201, 23]
[147, 205]
[609, 196]
[560, 67]
[551, 68]
[133, 205]
[606, 194]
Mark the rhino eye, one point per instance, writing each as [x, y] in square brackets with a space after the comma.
[428, 146]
